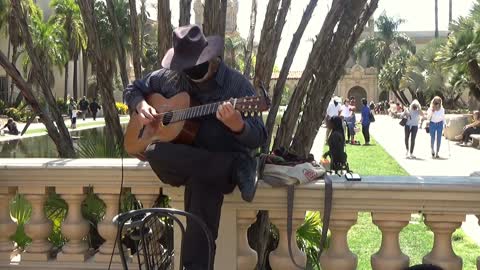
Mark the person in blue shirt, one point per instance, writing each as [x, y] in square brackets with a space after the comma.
[365, 121]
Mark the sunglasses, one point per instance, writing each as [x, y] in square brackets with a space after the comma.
[197, 72]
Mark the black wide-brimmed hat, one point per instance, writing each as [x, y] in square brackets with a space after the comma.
[191, 48]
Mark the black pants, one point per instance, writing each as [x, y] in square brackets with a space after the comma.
[207, 176]
[94, 115]
[469, 131]
[366, 132]
[410, 130]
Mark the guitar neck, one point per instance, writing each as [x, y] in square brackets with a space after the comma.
[194, 112]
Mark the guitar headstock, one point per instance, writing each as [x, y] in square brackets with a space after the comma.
[251, 105]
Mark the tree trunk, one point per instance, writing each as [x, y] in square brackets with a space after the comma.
[404, 99]
[334, 48]
[436, 18]
[65, 93]
[75, 76]
[51, 118]
[119, 48]
[269, 41]
[251, 35]
[136, 53]
[474, 72]
[185, 6]
[164, 30]
[292, 113]
[84, 70]
[214, 17]
[104, 78]
[15, 55]
[282, 78]
[449, 13]
[9, 48]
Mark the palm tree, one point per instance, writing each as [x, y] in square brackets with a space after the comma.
[461, 49]
[117, 11]
[392, 73]
[67, 14]
[49, 114]
[4, 7]
[379, 47]
[49, 44]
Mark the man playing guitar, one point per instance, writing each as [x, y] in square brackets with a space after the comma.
[221, 156]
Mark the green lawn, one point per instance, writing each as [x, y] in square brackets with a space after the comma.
[416, 240]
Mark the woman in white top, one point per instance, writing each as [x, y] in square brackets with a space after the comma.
[436, 118]
[413, 115]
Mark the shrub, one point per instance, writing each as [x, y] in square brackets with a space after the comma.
[62, 105]
[18, 115]
[121, 108]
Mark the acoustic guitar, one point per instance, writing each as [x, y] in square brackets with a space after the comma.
[175, 122]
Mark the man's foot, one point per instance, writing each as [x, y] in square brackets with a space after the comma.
[437, 156]
[412, 156]
[245, 173]
[407, 154]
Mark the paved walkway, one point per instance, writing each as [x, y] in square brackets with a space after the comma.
[455, 160]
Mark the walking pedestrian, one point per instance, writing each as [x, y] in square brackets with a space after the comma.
[436, 121]
[413, 115]
[365, 121]
[83, 104]
[94, 107]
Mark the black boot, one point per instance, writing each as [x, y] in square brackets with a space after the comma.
[245, 175]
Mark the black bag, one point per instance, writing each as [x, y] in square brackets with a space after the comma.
[403, 122]
[371, 117]
[427, 129]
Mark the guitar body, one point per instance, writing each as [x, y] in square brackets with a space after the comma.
[178, 132]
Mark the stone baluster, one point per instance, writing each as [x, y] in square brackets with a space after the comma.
[390, 256]
[280, 258]
[38, 228]
[442, 253]
[176, 196]
[74, 227]
[246, 256]
[106, 228]
[7, 226]
[338, 256]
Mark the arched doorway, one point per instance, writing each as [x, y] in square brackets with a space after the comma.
[358, 92]
[383, 96]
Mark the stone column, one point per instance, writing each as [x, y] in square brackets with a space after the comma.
[390, 256]
[74, 227]
[38, 227]
[280, 258]
[246, 256]
[7, 226]
[107, 229]
[338, 256]
[442, 253]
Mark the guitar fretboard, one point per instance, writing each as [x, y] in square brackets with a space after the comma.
[192, 112]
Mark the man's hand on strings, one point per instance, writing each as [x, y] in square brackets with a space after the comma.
[230, 117]
[146, 112]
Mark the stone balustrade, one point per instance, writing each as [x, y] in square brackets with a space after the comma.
[443, 200]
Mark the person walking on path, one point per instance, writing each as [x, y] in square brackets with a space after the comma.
[72, 105]
[473, 128]
[94, 107]
[413, 115]
[83, 104]
[436, 121]
[365, 121]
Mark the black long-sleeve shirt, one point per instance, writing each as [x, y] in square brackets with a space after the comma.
[213, 134]
[336, 145]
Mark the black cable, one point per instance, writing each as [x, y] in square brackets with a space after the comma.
[119, 208]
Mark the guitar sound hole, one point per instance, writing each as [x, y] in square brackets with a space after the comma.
[167, 118]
